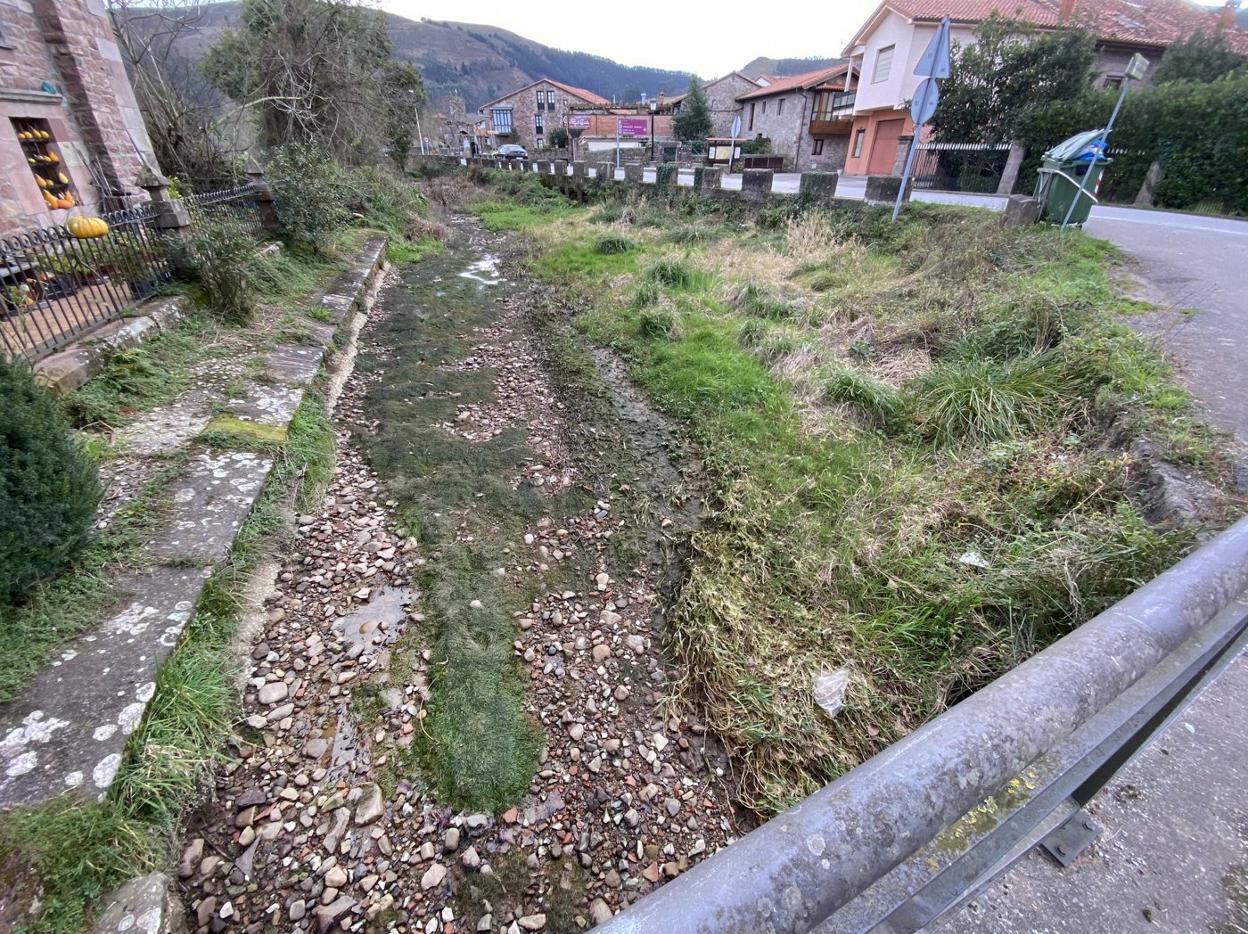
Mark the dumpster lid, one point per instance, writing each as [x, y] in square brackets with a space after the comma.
[1080, 148]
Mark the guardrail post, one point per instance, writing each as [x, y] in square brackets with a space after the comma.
[634, 173]
[606, 171]
[172, 215]
[882, 189]
[712, 175]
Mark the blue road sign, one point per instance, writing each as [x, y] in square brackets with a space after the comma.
[926, 97]
[935, 60]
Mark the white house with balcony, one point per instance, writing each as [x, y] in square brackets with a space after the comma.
[887, 47]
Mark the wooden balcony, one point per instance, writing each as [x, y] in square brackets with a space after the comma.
[837, 126]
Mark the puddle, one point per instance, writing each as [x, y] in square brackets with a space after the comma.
[350, 754]
[376, 624]
[484, 270]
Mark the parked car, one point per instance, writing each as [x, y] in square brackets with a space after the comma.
[512, 151]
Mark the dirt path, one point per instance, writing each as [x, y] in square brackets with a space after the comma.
[459, 717]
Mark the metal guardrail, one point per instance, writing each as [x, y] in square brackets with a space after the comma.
[917, 828]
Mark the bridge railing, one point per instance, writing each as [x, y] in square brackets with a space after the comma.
[917, 828]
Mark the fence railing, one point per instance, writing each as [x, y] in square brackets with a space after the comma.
[55, 287]
[970, 167]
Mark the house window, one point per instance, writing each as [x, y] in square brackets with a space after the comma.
[780, 107]
[539, 125]
[764, 107]
[500, 119]
[46, 165]
[751, 126]
[550, 100]
[541, 101]
[1113, 82]
[816, 148]
[859, 138]
[883, 64]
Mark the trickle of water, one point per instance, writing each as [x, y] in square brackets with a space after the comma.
[484, 270]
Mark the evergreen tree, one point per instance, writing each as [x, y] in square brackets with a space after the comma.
[693, 123]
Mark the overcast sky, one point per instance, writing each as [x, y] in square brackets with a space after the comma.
[706, 38]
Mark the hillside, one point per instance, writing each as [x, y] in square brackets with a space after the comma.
[785, 66]
[475, 62]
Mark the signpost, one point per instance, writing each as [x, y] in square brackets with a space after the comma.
[1137, 68]
[932, 65]
[736, 131]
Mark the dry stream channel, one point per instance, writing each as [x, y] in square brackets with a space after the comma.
[457, 715]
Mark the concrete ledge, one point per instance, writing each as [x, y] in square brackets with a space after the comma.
[71, 368]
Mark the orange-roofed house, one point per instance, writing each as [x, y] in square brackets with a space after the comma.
[887, 48]
[807, 117]
[528, 115]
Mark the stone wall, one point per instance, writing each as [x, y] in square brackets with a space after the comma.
[721, 101]
[92, 114]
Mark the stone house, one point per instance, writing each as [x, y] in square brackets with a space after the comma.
[721, 100]
[70, 127]
[527, 116]
[887, 48]
[807, 117]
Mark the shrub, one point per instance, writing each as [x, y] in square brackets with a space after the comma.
[48, 485]
[385, 201]
[312, 194]
[220, 255]
[647, 294]
[612, 244]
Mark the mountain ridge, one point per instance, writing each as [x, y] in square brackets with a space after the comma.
[477, 62]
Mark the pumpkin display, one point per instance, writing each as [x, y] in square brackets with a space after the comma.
[50, 198]
[85, 228]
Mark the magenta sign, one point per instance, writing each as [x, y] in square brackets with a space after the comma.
[578, 121]
[633, 126]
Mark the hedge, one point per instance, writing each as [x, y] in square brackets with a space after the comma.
[1198, 131]
[48, 485]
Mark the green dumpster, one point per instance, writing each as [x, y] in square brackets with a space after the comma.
[1078, 161]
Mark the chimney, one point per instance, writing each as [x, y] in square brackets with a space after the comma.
[1066, 10]
[1226, 16]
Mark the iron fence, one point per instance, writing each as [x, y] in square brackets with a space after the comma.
[236, 203]
[55, 287]
[971, 167]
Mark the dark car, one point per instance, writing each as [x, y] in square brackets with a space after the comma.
[512, 151]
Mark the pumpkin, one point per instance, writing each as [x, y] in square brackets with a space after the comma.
[50, 198]
[62, 178]
[84, 228]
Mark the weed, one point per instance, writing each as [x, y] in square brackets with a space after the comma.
[611, 244]
[881, 403]
[678, 274]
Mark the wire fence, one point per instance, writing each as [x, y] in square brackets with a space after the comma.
[55, 286]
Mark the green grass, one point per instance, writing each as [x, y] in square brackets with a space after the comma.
[504, 215]
[79, 851]
[141, 378]
[837, 535]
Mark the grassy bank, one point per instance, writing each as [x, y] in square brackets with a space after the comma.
[920, 434]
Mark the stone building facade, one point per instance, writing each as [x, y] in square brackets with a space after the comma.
[67, 111]
[807, 118]
[528, 115]
[721, 100]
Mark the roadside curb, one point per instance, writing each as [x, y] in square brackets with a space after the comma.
[68, 729]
